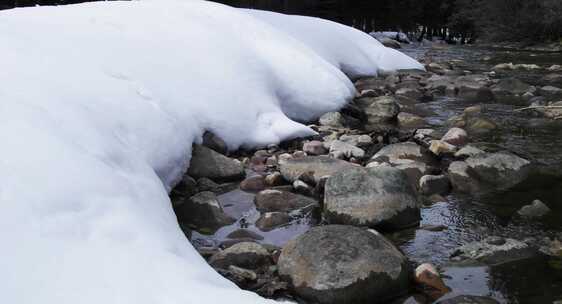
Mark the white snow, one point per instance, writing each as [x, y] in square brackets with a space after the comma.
[99, 106]
[354, 52]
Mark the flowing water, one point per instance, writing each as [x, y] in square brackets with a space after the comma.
[468, 219]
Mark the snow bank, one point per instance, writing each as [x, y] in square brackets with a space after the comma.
[398, 36]
[100, 104]
[354, 52]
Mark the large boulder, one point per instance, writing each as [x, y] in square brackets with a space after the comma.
[396, 152]
[275, 201]
[207, 163]
[319, 166]
[511, 91]
[379, 197]
[245, 254]
[501, 170]
[473, 88]
[202, 212]
[379, 109]
[460, 178]
[344, 264]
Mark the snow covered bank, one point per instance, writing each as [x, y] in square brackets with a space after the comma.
[100, 104]
[354, 52]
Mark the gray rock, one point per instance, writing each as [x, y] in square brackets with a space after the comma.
[407, 120]
[493, 251]
[343, 150]
[474, 88]
[207, 163]
[553, 79]
[375, 197]
[467, 299]
[510, 91]
[439, 148]
[360, 141]
[551, 93]
[244, 234]
[456, 137]
[275, 200]
[186, 187]
[314, 147]
[434, 184]
[332, 119]
[412, 93]
[391, 43]
[502, 170]
[414, 170]
[274, 179]
[535, 209]
[468, 151]
[253, 183]
[407, 150]
[380, 109]
[271, 220]
[343, 264]
[319, 166]
[247, 255]
[460, 178]
[203, 212]
[214, 142]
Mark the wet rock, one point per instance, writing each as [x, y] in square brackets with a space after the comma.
[427, 276]
[320, 166]
[185, 188]
[314, 147]
[332, 119]
[519, 66]
[343, 150]
[400, 151]
[246, 255]
[243, 274]
[553, 79]
[271, 220]
[503, 170]
[551, 93]
[434, 184]
[480, 125]
[343, 264]
[380, 109]
[375, 197]
[493, 251]
[205, 184]
[208, 163]
[474, 88]
[391, 43]
[467, 299]
[214, 142]
[456, 137]
[244, 234]
[468, 151]
[271, 162]
[303, 188]
[360, 141]
[439, 83]
[535, 209]
[414, 170]
[407, 120]
[460, 178]
[253, 183]
[510, 91]
[412, 93]
[439, 148]
[203, 212]
[275, 200]
[274, 179]
[433, 228]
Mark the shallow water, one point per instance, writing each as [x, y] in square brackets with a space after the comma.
[470, 219]
[467, 219]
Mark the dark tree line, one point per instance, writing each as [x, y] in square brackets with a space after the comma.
[465, 20]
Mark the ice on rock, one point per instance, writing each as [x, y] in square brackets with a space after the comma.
[100, 104]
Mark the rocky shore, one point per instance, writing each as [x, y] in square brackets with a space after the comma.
[367, 174]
